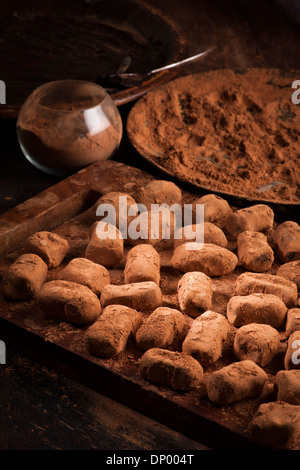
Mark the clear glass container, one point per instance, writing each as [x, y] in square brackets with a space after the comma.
[66, 125]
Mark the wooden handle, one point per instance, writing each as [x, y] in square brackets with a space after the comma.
[120, 98]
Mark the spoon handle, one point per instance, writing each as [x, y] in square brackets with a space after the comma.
[193, 58]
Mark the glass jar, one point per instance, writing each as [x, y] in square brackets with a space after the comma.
[66, 125]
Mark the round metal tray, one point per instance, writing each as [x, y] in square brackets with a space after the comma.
[149, 149]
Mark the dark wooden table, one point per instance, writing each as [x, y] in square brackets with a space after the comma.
[41, 409]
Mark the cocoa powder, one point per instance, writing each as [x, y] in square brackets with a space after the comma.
[66, 127]
[231, 132]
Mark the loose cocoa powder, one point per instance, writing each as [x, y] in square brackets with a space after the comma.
[59, 153]
[66, 127]
[231, 132]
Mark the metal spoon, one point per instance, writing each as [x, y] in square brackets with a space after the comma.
[127, 80]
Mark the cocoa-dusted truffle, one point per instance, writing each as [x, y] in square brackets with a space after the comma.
[106, 245]
[257, 218]
[276, 424]
[51, 247]
[210, 233]
[86, 272]
[204, 340]
[210, 259]
[216, 209]
[287, 386]
[160, 329]
[174, 369]
[194, 293]
[69, 302]
[290, 271]
[159, 192]
[287, 241]
[258, 342]
[292, 320]
[284, 289]
[138, 295]
[142, 264]
[256, 308]
[254, 251]
[108, 336]
[121, 203]
[235, 382]
[24, 278]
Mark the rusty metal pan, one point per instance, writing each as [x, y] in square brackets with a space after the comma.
[148, 145]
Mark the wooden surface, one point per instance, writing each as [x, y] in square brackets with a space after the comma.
[248, 34]
[47, 411]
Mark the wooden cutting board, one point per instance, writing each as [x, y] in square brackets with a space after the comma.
[66, 208]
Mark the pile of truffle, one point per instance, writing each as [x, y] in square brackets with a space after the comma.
[263, 304]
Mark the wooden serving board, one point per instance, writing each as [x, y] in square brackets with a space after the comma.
[67, 209]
